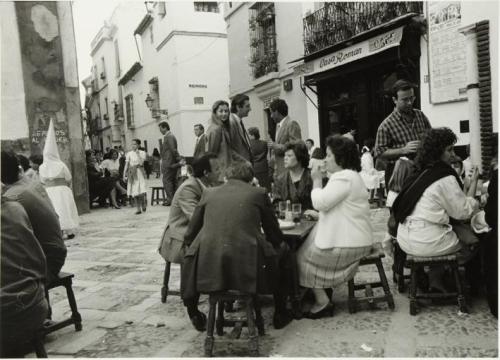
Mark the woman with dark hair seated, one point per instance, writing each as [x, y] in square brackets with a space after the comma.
[430, 199]
[295, 184]
[99, 186]
[343, 235]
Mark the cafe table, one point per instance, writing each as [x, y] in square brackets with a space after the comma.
[294, 238]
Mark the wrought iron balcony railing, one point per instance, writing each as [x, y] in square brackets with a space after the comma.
[339, 21]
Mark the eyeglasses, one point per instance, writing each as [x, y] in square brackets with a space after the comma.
[410, 99]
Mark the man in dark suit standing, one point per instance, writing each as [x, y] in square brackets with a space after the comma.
[240, 142]
[171, 161]
[286, 130]
[227, 250]
[199, 148]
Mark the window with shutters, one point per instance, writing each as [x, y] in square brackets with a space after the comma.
[206, 6]
[129, 109]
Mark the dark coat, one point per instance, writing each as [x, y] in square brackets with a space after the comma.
[199, 148]
[286, 189]
[170, 157]
[227, 250]
[240, 142]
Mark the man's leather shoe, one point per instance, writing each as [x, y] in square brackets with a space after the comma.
[282, 319]
[199, 321]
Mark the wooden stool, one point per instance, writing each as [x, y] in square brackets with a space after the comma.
[416, 262]
[155, 194]
[398, 267]
[375, 258]
[255, 324]
[64, 279]
[164, 290]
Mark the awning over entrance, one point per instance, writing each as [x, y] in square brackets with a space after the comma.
[352, 53]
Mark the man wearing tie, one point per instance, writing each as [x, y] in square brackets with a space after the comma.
[199, 148]
[240, 142]
[286, 130]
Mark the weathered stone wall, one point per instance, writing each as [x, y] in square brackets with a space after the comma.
[48, 58]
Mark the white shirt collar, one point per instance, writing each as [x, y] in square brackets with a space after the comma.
[282, 121]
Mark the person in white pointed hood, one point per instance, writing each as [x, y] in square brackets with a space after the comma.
[56, 177]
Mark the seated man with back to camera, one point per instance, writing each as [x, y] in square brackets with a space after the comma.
[227, 249]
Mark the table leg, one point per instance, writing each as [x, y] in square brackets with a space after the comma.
[295, 289]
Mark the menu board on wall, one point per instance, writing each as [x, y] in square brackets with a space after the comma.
[447, 63]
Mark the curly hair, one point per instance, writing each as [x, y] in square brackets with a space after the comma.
[345, 151]
[299, 149]
[433, 144]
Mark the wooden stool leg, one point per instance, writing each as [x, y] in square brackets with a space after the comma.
[351, 301]
[166, 278]
[219, 323]
[385, 284]
[252, 330]
[152, 197]
[413, 289]
[39, 346]
[75, 315]
[259, 320]
[462, 305]
[209, 341]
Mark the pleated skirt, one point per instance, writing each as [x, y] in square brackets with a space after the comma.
[327, 268]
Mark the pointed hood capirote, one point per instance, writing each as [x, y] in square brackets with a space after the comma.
[52, 164]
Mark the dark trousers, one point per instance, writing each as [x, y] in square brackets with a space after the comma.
[169, 178]
[490, 266]
[388, 173]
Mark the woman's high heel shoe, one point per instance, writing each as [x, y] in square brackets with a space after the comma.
[326, 311]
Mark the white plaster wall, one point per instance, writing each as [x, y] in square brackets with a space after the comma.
[14, 123]
[450, 114]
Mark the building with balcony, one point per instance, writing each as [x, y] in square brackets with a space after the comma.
[181, 70]
[113, 51]
[335, 62]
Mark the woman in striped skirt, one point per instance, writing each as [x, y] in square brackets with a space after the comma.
[343, 235]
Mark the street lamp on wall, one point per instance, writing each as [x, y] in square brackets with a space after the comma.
[154, 112]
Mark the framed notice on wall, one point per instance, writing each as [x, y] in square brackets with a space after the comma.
[446, 55]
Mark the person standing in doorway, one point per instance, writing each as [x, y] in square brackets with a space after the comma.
[400, 133]
[171, 161]
[240, 142]
[286, 130]
[135, 176]
[199, 148]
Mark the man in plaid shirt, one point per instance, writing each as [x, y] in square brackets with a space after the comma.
[399, 134]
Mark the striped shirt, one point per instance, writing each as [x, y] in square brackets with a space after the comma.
[396, 131]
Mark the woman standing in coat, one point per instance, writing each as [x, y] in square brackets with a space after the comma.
[218, 136]
[56, 177]
[343, 235]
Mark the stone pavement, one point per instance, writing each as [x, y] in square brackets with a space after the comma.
[118, 276]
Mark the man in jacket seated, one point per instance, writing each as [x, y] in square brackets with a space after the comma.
[23, 307]
[226, 249]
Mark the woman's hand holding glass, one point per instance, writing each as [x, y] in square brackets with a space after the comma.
[311, 215]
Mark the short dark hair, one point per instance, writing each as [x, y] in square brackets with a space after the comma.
[200, 126]
[238, 100]
[10, 167]
[254, 132]
[36, 159]
[299, 148]
[137, 141]
[311, 141]
[202, 164]
[280, 106]
[432, 146]
[318, 153]
[402, 85]
[164, 124]
[240, 170]
[24, 161]
[345, 151]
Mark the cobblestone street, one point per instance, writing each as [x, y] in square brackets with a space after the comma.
[118, 276]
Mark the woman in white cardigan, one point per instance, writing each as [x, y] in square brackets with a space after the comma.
[343, 235]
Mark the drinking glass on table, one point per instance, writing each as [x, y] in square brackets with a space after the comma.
[296, 212]
[282, 209]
